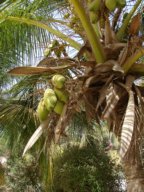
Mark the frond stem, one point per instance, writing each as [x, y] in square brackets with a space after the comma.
[124, 26]
[39, 24]
[131, 60]
[137, 69]
[91, 35]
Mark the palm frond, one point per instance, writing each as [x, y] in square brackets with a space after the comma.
[112, 100]
[36, 135]
[15, 120]
[128, 126]
[21, 43]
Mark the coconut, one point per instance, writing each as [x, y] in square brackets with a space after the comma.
[28, 158]
[42, 111]
[62, 95]
[47, 52]
[50, 99]
[50, 102]
[58, 107]
[121, 3]
[94, 5]
[94, 17]
[49, 92]
[111, 4]
[58, 81]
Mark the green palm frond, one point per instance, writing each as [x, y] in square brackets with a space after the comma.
[17, 115]
[16, 120]
[24, 34]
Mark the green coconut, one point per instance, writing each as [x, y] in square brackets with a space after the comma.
[121, 3]
[50, 99]
[59, 107]
[50, 102]
[47, 52]
[28, 158]
[58, 81]
[62, 95]
[42, 111]
[49, 92]
[111, 4]
[94, 5]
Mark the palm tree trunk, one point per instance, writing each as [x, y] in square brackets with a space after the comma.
[134, 173]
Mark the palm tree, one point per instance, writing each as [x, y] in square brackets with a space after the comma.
[101, 77]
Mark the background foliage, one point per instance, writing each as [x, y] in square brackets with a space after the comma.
[86, 169]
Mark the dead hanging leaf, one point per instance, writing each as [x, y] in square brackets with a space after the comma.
[30, 70]
[109, 33]
[128, 126]
[90, 80]
[90, 104]
[135, 25]
[104, 67]
[108, 36]
[112, 98]
[117, 67]
[54, 62]
[37, 70]
[117, 46]
[140, 100]
[123, 55]
[36, 135]
[86, 63]
[103, 92]
[112, 51]
[47, 61]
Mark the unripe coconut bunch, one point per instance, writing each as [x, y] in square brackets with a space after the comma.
[58, 82]
[53, 99]
[50, 48]
[95, 5]
[95, 8]
[112, 4]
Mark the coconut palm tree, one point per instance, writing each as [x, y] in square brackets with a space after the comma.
[101, 78]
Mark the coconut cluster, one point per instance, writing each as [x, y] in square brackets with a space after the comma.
[96, 5]
[53, 99]
[112, 4]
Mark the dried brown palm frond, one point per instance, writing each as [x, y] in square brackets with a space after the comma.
[128, 125]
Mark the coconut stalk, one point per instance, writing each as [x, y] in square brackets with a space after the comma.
[131, 60]
[91, 34]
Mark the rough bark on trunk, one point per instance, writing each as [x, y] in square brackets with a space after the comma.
[134, 176]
